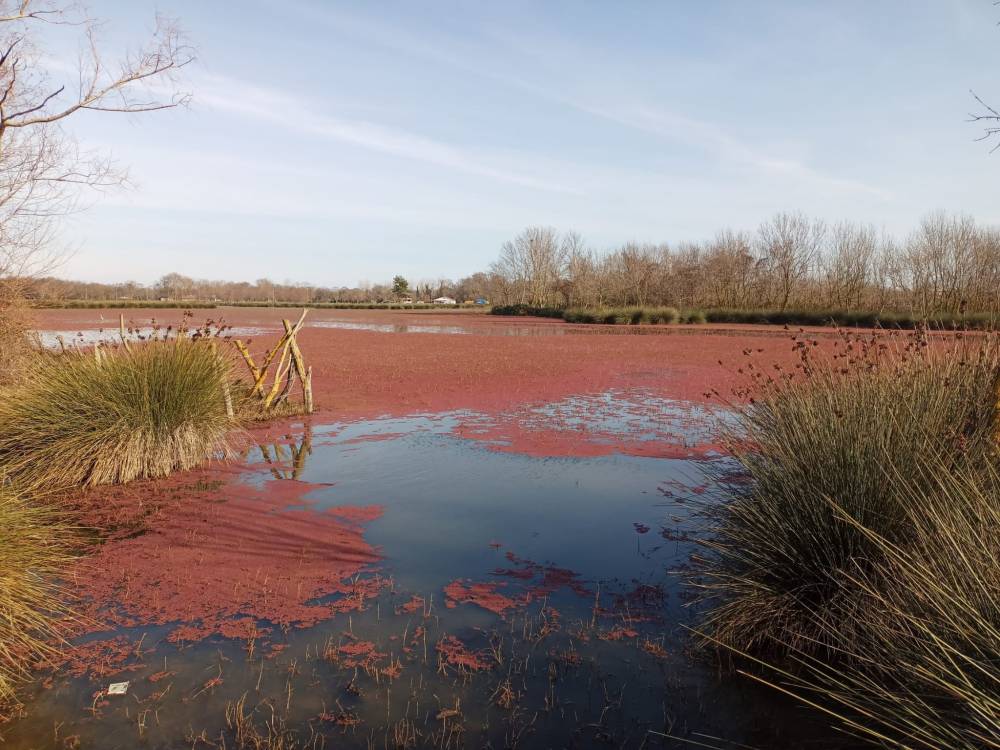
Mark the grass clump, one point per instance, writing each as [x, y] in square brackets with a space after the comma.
[923, 670]
[857, 561]
[33, 550]
[840, 318]
[622, 315]
[818, 444]
[115, 416]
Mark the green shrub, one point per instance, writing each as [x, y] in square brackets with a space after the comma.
[33, 550]
[527, 311]
[855, 432]
[663, 315]
[579, 315]
[80, 420]
[693, 316]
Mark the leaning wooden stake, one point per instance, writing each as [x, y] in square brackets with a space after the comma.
[304, 373]
[121, 332]
[291, 364]
[307, 390]
[259, 373]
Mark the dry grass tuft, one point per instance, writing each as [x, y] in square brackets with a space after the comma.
[859, 567]
[775, 568]
[33, 549]
[924, 669]
[15, 325]
[86, 419]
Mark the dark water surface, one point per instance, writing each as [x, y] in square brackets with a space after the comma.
[595, 651]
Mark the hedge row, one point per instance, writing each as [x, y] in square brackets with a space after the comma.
[845, 318]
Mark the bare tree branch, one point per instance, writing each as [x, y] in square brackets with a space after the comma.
[991, 115]
[42, 170]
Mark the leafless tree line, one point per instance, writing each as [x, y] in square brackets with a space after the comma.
[948, 264]
[177, 287]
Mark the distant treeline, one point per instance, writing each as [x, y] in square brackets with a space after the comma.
[844, 318]
[194, 304]
[174, 289]
[947, 266]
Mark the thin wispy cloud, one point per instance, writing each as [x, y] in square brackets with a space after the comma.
[631, 113]
[294, 114]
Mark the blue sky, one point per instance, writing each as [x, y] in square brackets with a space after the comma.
[337, 142]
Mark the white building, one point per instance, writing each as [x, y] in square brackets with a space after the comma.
[445, 301]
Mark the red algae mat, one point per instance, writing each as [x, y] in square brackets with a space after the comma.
[210, 553]
[504, 379]
[365, 373]
[436, 558]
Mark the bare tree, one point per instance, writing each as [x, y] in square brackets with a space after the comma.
[733, 272]
[789, 245]
[849, 265]
[532, 266]
[42, 169]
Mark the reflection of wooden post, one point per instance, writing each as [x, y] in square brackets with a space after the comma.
[304, 449]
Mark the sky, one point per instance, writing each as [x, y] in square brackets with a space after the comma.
[337, 142]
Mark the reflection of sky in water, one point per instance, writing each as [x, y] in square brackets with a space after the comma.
[111, 335]
[485, 330]
[461, 496]
[453, 509]
[634, 415]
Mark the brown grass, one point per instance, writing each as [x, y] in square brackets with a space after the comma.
[860, 567]
[84, 419]
[33, 549]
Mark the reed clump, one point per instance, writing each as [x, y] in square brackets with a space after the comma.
[113, 415]
[33, 549]
[622, 315]
[788, 317]
[857, 559]
[829, 431]
[923, 670]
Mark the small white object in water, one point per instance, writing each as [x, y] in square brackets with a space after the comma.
[118, 688]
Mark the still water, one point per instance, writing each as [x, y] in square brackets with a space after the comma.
[522, 602]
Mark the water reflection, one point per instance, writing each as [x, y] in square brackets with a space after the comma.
[286, 460]
[90, 336]
[452, 330]
[515, 601]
